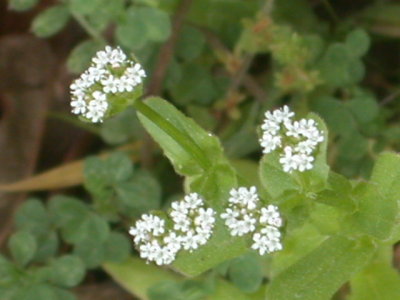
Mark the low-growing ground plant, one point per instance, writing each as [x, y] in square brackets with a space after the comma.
[253, 164]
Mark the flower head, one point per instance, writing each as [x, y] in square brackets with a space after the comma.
[296, 140]
[244, 215]
[192, 226]
[110, 74]
[193, 223]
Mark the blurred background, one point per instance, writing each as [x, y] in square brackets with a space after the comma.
[222, 62]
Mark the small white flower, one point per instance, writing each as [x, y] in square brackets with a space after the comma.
[283, 115]
[205, 218]
[110, 73]
[190, 241]
[304, 162]
[193, 200]
[288, 160]
[270, 215]
[270, 142]
[297, 139]
[78, 106]
[110, 84]
[173, 242]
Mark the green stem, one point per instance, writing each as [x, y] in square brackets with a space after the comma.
[88, 28]
[185, 141]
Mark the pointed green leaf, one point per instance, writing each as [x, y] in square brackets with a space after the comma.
[379, 280]
[190, 149]
[376, 214]
[320, 273]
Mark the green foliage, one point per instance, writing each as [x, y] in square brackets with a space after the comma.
[231, 61]
[81, 55]
[22, 5]
[22, 246]
[142, 25]
[50, 21]
[342, 256]
[67, 270]
[246, 272]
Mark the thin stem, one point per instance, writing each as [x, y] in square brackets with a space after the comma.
[184, 141]
[88, 28]
[330, 10]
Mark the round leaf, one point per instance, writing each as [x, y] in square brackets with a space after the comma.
[67, 271]
[50, 21]
[246, 272]
[22, 245]
[117, 247]
[81, 56]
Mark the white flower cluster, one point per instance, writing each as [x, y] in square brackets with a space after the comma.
[110, 73]
[192, 226]
[244, 216]
[298, 139]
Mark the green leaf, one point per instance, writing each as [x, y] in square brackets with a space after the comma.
[50, 21]
[36, 292]
[143, 24]
[96, 176]
[316, 178]
[190, 44]
[339, 68]
[168, 290]
[47, 246]
[122, 128]
[364, 107]
[157, 22]
[62, 294]
[379, 280]
[337, 193]
[81, 56]
[358, 42]
[186, 290]
[190, 149]
[131, 33]
[136, 276]
[298, 243]
[65, 210]
[91, 251]
[89, 228]
[214, 186]
[198, 86]
[32, 216]
[376, 214]
[386, 175]
[308, 279]
[78, 224]
[273, 178]
[139, 195]
[353, 146]
[67, 271]
[117, 247]
[84, 6]
[247, 172]
[22, 245]
[119, 167]
[246, 272]
[7, 272]
[21, 5]
[337, 116]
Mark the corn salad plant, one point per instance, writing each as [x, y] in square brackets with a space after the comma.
[274, 175]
